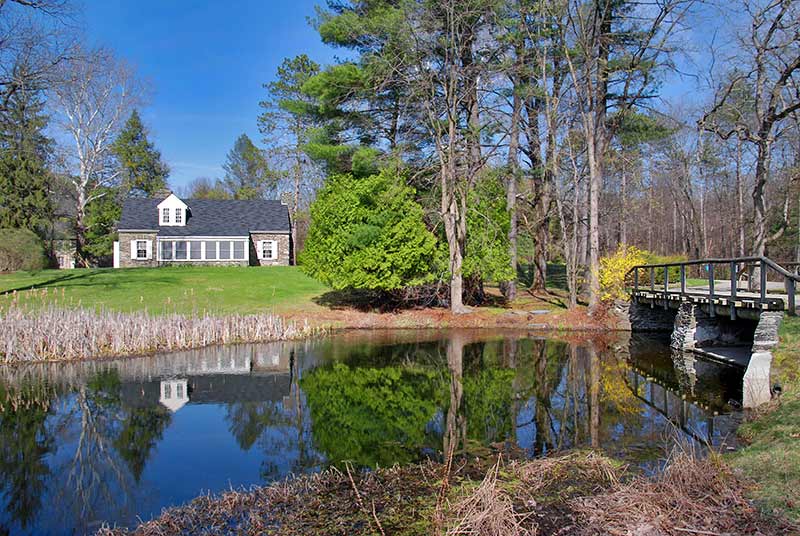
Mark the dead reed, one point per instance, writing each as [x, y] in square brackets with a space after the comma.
[489, 511]
[576, 494]
[694, 495]
[52, 333]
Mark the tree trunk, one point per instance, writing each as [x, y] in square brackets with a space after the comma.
[456, 258]
[623, 217]
[596, 145]
[510, 287]
[739, 199]
[595, 181]
[759, 206]
[298, 177]
[80, 230]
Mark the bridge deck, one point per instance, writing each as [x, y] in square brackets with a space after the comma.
[721, 275]
[743, 299]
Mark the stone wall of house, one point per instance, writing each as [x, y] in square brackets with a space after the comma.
[125, 260]
[284, 249]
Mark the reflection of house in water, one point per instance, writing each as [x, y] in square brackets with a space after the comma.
[214, 375]
[174, 394]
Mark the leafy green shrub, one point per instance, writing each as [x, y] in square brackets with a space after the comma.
[21, 249]
[368, 233]
[488, 222]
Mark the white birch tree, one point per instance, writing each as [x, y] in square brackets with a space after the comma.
[93, 96]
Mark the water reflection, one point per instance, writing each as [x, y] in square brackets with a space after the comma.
[109, 441]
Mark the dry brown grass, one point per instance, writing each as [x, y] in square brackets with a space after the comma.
[577, 494]
[489, 511]
[52, 333]
[694, 495]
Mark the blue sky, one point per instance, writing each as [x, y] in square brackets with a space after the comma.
[206, 63]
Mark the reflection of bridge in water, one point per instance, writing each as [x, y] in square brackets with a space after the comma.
[695, 395]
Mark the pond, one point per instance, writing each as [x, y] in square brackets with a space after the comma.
[116, 441]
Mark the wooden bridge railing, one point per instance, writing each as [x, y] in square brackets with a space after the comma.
[731, 270]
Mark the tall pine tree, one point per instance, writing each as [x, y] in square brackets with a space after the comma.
[144, 173]
[24, 176]
[247, 174]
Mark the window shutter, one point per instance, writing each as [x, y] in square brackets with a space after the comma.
[133, 249]
[260, 249]
[149, 250]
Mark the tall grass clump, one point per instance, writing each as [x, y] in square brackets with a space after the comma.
[50, 333]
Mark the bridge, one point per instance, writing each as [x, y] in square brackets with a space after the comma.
[725, 309]
[738, 286]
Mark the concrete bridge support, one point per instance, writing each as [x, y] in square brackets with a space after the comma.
[757, 384]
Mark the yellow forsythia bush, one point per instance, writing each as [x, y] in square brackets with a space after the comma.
[613, 269]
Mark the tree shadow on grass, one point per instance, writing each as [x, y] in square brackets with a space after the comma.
[74, 279]
[361, 300]
[72, 276]
[379, 301]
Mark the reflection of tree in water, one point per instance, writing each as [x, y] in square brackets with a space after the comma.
[249, 423]
[93, 475]
[112, 445]
[25, 441]
[560, 394]
[141, 429]
[372, 416]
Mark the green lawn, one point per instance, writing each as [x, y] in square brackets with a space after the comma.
[772, 457]
[170, 289]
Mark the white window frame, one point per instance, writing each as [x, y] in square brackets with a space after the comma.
[178, 215]
[273, 247]
[193, 242]
[135, 249]
[165, 215]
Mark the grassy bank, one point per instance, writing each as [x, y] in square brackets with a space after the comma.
[287, 291]
[772, 435]
[182, 290]
[581, 493]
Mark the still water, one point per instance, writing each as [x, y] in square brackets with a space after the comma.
[117, 441]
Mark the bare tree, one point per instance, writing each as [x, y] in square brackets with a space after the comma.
[35, 37]
[445, 47]
[621, 46]
[93, 96]
[767, 69]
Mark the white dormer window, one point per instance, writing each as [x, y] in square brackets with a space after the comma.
[172, 211]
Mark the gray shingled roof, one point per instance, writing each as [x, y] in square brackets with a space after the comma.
[209, 217]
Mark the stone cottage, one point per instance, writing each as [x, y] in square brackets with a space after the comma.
[172, 231]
